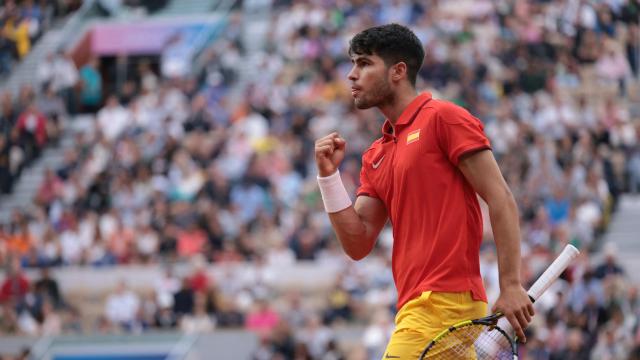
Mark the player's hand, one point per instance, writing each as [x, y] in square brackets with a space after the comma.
[330, 151]
[516, 306]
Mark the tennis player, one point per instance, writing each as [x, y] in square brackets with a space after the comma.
[422, 174]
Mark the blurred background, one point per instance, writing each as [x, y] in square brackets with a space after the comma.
[158, 184]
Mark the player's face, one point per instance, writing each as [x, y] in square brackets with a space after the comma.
[369, 81]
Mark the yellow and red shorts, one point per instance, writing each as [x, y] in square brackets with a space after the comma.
[422, 318]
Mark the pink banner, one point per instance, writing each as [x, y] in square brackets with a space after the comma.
[137, 39]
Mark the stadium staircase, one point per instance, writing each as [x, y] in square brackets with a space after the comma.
[25, 73]
[24, 190]
[624, 232]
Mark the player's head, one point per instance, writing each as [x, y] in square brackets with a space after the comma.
[383, 57]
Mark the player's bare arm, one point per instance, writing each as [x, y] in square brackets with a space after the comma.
[482, 172]
[356, 226]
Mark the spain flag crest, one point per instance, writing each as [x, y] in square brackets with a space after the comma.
[413, 136]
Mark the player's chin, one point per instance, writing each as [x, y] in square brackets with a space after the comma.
[361, 104]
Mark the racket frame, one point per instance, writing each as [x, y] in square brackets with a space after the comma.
[490, 321]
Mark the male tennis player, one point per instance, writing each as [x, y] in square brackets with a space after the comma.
[422, 174]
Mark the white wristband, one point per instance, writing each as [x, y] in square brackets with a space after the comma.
[334, 195]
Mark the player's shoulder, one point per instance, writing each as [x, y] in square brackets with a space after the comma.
[448, 111]
[445, 107]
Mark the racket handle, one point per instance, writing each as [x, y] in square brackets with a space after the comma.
[545, 280]
[553, 271]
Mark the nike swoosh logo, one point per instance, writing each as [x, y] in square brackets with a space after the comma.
[391, 357]
[377, 164]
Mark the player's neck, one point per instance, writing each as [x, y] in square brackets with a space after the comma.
[394, 109]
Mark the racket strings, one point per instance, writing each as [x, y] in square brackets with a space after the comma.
[473, 342]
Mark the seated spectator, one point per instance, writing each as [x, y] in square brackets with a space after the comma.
[199, 279]
[50, 189]
[16, 29]
[51, 105]
[21, 241]
[6, 178]
[183, 300]
[91, 95]
[44, 72]
[32, 130]
[576, 348]
[608, 347]
[199, 321]
[15, 286]
[113, 119]
[315, 336]
[64, 80]
[191, 241]
[121, 307]
[51, 324]
[262, 319]
[32, 12]
[48, 288]
[610, 265]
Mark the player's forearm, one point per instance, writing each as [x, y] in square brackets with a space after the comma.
[506, 232]
[352, 232]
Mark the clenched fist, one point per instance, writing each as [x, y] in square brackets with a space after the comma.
[330, 151]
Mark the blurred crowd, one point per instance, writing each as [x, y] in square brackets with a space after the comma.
[23, 22]
[217, 168]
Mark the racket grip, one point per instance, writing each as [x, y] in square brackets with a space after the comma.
[545, 280]
[553, 271]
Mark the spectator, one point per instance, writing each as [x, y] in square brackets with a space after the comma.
[64, 79]
[91, 79]
[376, 335]
[51, 106]
[262, 319]
[315, 336]
[6, 178]
[48, 288]
[16, 29]
[575, 350]
[15, 286]
[191, 241]
[51, 320]
[113, 119]
[122, 307]
[183, 300]
[609, 266]
[45, 71]
[199, 321]
[608, 347]
[199, 279]
[31, 128]
[33, 13]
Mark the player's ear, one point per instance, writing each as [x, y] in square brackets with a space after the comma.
[398, 71]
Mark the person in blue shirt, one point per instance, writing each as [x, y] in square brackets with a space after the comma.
[91, 96]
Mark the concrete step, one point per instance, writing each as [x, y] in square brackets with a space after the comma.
[624, 232]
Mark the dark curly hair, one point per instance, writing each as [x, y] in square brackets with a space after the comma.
[394, 43]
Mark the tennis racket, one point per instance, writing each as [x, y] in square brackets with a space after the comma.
[486, 338]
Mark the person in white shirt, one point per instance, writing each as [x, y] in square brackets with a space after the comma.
[64, 78]
[113, 119]
[122, 306]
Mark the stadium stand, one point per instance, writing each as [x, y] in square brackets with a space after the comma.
[184, 197]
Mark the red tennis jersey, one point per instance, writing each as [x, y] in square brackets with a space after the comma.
[434, 211]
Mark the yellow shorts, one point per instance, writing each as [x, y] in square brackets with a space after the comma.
[424, 317]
